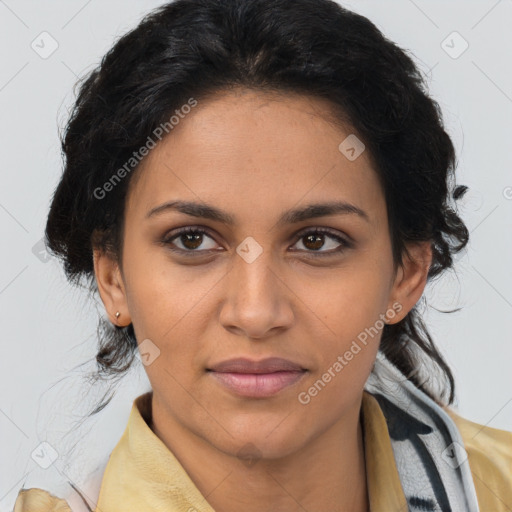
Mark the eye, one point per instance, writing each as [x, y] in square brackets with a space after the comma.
[314, 240]
[191, 241]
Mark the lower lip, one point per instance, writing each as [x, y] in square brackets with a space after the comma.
[258, 385]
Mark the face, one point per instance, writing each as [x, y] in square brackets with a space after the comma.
[252, 277]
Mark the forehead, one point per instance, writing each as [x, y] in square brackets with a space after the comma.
[250, 149]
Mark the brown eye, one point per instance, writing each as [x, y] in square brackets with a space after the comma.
[188, 240]
[314, 241]
[191, 241]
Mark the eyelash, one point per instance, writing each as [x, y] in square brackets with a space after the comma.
[345, 244]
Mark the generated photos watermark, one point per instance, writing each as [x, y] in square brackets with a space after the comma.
[137, 156]
[343, 360]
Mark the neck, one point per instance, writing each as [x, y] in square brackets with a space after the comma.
[327, 474]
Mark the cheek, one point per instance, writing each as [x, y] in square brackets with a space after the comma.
[350, 305]
[159, 293]
[352, 299]
[169, 305]
[351, 328]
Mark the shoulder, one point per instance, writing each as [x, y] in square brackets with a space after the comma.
[39, 500]
[71, 497]
[489, 453]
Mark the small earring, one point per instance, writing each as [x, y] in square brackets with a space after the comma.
[118, 315]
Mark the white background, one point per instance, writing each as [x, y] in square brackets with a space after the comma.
[49, 328]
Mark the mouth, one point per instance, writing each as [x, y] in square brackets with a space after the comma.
[257, 379]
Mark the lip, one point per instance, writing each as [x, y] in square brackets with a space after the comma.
[245, 365]
[257, 379]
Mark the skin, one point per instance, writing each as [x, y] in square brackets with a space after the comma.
[256, 155]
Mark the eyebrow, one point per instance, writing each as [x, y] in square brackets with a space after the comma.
[293, 216]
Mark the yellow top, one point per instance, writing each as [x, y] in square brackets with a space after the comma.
[143, 475]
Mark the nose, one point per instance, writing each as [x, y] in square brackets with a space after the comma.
[258, 302]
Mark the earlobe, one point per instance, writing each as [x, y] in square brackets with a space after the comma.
[111, 287]
[411, 278]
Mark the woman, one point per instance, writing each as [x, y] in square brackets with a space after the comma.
[258, 190]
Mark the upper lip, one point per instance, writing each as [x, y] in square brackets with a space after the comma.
[245, 365]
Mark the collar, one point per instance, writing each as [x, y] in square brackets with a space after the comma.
[143, 474]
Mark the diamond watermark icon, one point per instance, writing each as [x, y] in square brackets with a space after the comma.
[250, 454]
[249, 249]
[454, 455]
[40, 251]
[454, 45]
[147, 352]
[45, 455]
[44, 45]
[352, 147]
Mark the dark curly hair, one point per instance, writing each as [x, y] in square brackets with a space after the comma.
[196, 48]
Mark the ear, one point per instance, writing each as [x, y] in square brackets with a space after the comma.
[410, 279]
[111, 287]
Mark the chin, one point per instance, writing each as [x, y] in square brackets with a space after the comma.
[254, 444]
